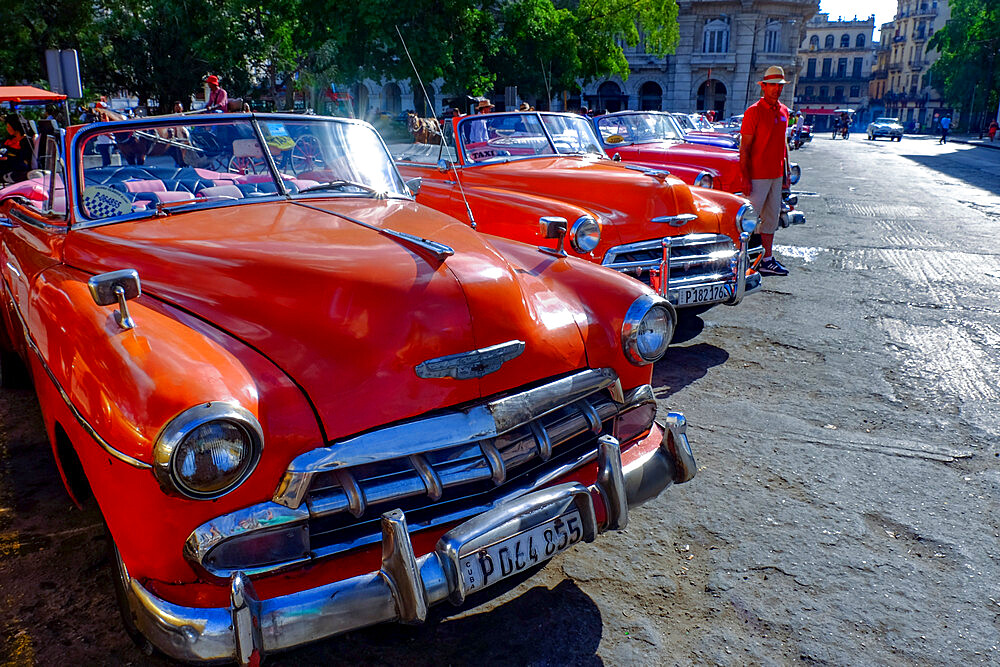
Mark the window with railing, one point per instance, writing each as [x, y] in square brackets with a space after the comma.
[841, 67]
[716, 38]
[855, 91]
[827, 66]
[814, 42]
[829, 42]
[858, 63]
[811, 68]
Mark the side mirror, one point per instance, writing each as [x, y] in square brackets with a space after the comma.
[443, 166]
[414, 185]
[116, 287]
[616, 157]
[552, 227]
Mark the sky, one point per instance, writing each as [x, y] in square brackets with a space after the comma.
[884, 10]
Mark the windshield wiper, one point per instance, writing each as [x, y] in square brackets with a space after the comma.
[338, 184]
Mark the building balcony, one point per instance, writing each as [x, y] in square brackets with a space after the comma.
[880, 74]
[899, 38]
[713, 59]
[895, 67]
[918, 37]
[925, 11]
[917, 65]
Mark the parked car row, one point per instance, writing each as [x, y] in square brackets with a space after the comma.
[347, 383]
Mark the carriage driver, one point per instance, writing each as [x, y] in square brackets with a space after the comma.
[218, 100]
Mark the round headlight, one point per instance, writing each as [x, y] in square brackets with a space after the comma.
[746, 218]
[647, 330]
[208, 450]
[795, 173]
[704, 180]
[585, 234]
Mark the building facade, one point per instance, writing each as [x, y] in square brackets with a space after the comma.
[902, 86]
[835, 59]
[725, 47]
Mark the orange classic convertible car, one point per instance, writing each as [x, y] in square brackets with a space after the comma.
[305, 403]
[511, 169]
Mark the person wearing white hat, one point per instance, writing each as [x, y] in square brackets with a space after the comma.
[763, 160]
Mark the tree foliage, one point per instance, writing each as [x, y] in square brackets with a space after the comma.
[163, 49]
[970, 53]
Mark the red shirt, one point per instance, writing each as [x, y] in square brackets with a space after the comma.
[765, 127]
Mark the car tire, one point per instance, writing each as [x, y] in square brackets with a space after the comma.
[121, 599]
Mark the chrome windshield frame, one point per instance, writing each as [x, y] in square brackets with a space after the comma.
[461, 152]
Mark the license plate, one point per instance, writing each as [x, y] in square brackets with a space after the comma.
[517, 553]
[690, 295]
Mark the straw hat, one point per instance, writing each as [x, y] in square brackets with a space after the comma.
[484, 104]
[525, 107]
[774, 74]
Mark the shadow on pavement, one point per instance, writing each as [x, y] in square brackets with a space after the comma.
[962, 166]
[683, 365]
[561, 626]
[689, 325]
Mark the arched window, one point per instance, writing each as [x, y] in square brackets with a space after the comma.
[391, 103]
[424, 108]
[716, 38]
[712, 97]
[814, 42]
[772, 36]
[610, 97]
[845, 41]
[859, 43]
[650, 96]
[828, 44]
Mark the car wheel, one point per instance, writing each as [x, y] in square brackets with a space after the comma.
[121, 583]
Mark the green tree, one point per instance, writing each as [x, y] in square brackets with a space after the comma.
[969, 66]
[29, 29]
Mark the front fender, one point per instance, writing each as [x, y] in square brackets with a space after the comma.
[124, 385]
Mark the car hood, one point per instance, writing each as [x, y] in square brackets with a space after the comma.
[345, 311]
[627, 196]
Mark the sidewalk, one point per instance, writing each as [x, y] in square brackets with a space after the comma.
[974, 140]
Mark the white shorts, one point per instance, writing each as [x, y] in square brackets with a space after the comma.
[766, 200]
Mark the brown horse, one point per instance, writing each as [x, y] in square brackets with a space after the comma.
[424, 130]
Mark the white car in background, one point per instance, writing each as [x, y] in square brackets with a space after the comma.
[885, 127]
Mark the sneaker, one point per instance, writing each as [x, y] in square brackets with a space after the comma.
[771, 267]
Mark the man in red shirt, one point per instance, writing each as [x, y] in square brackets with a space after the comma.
[218, 100]
[763, 157]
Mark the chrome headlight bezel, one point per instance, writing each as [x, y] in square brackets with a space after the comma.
[747, 218]
[635, 322]
[585, 234]
[177, 430]
[704, 180]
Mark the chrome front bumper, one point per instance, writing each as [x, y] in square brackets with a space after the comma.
[735, 288]
[405, 586]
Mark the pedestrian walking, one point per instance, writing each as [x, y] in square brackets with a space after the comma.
[994, 126]
[763, 161]
[945, 126]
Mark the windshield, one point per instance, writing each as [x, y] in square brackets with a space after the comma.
[886, 120]
[638, 128]
[137, 168]
[684, 122]
[701, 123]
[490, 137]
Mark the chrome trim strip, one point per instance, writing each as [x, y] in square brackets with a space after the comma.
[121, 456]
[45, 226]
[438, 432]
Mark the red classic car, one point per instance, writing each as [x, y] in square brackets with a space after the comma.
[303, 402]
[513, 169]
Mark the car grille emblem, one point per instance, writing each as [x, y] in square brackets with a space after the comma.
[472, 364]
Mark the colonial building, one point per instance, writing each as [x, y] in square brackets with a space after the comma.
[725, 47]
[836, 64]
[902, 85]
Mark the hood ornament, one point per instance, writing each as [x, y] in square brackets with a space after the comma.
[472, 364]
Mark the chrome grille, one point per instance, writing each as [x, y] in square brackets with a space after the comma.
[695, 259]
[439, 468]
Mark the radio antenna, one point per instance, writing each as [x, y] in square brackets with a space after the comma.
[444, 135]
